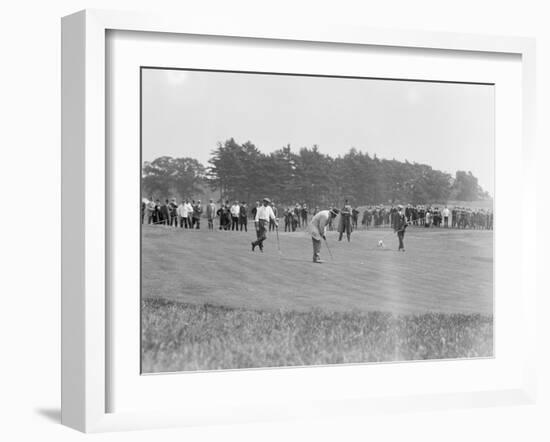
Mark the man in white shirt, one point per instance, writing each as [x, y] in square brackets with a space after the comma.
[263, 215]
[318, 230]
[187, 214]
[446, 212]
[235, 210]
[181, 211]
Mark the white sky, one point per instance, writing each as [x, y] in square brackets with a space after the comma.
[448, 126]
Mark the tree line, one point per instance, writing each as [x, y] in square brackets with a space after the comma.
[242, 172]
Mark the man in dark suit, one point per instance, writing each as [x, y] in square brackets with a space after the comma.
[345, 221]
[165, 213]
[243, 216]
[173, 212]
[400, 226]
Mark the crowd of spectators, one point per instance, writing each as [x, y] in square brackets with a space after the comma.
[236, 215]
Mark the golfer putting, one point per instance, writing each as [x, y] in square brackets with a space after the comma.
[318, 230]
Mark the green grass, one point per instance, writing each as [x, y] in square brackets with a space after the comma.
[446, 271]
[209, 302]
[180, 336]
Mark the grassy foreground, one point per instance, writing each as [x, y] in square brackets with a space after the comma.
[180, 336]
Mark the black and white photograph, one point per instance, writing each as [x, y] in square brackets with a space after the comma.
[304, 220]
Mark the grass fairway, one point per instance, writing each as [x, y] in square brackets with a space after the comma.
[209, 302]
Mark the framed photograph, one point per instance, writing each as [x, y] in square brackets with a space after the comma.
[266, 223]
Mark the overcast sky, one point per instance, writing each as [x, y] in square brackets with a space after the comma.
[448, 126]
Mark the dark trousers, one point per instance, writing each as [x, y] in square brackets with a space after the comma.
[197, 223]
[261, 233]
[345, 226]
[400, 237]
[243, 224]
[225, 223]
[234, 223]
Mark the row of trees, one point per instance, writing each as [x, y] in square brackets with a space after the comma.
[243, 172]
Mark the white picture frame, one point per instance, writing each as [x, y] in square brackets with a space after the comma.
[85, 261]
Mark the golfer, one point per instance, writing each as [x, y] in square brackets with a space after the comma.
[400, 226]
[264, 213]
[318, 230]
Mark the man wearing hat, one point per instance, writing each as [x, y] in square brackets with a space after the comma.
[264, 214]
[400, 226]
[318, 230]
[345, 221]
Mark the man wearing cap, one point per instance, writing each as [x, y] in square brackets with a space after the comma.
[400, 226]
[318, 230]
[264, 214]
[345, 221]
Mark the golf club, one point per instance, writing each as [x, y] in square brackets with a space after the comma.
[328, 248]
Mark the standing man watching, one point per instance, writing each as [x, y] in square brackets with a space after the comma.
[174, 213]
[345, 221]
[211, 214]
[354, 218]
[264, 214]
[318, 230]
[235, 210]
[165, 213]
[446, 213]
[197, 212]
[243, 216]
[180, 210]
[298, 214]
[150, 211]
[185, 212]
[400, 226]
[304, 214]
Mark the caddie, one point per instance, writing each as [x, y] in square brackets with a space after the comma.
[318, 230]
